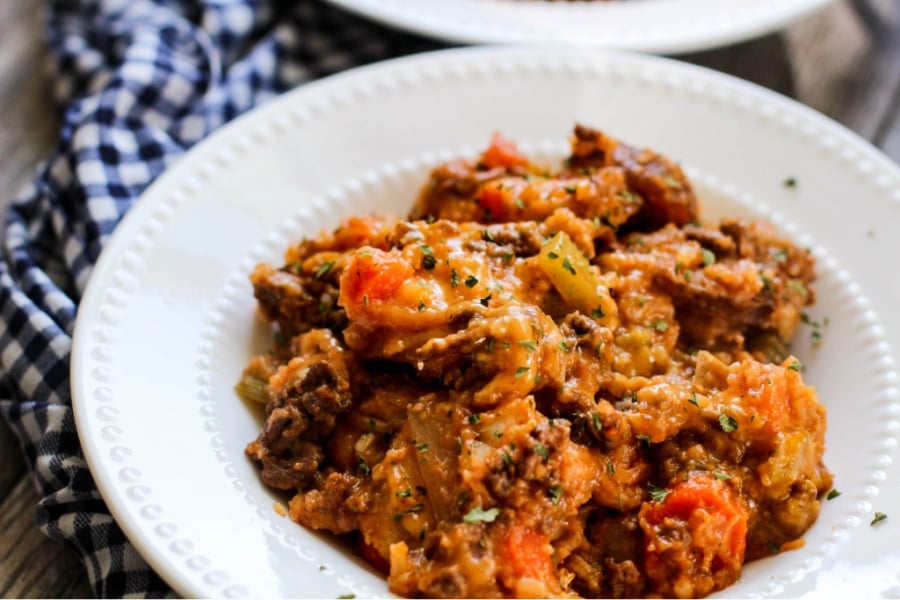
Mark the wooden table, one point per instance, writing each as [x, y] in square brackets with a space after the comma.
[843, 61]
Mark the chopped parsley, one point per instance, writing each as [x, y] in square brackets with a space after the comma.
[805, 318]
[658, 494]
[795, 366]
[790, 182]
[798, 287]
[479, 515]
[728, 423]
[708, 257]
[627, 195]
[529, 345]
[568, 266]
[773, 547]
[611, 468]
[721, 476]
[541, 450]
[673, 183]
[404, 493]
[521, 371]
[484, 301]
[878, 518]
[471, 281]
[429, 262]
[555, 493]
[324, 268]
[832, 494]
[660, 325]
[598, 313]
[694, 400]
[454, 278]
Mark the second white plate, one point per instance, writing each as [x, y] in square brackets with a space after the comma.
[661, 26]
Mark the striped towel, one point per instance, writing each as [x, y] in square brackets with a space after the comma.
[138, 82]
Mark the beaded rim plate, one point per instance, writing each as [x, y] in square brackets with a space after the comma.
[168, 320]
[663, 26]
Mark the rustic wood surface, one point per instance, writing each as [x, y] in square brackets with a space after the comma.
[843, 61]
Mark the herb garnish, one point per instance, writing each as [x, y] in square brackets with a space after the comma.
[479, 515]
[555, 493]
[324, 268]
[728, 423]
[658, 494]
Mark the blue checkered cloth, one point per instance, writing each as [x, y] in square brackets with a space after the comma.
[138, 82]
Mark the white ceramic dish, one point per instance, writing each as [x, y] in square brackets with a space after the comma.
[663, 26]
[168, 320]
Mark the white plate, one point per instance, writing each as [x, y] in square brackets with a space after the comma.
[664, 26]
[168, 321]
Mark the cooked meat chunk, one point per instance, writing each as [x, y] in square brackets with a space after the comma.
[306, 397]
[664, 188]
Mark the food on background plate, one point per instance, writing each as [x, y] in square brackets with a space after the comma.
[544, 382]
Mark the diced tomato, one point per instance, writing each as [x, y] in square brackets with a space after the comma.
[695, 537]
[356, 232]
[493, 198]
[372, 275]
[527, 553]
[502, 153]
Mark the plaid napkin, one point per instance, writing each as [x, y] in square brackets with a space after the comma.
[138, 83]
